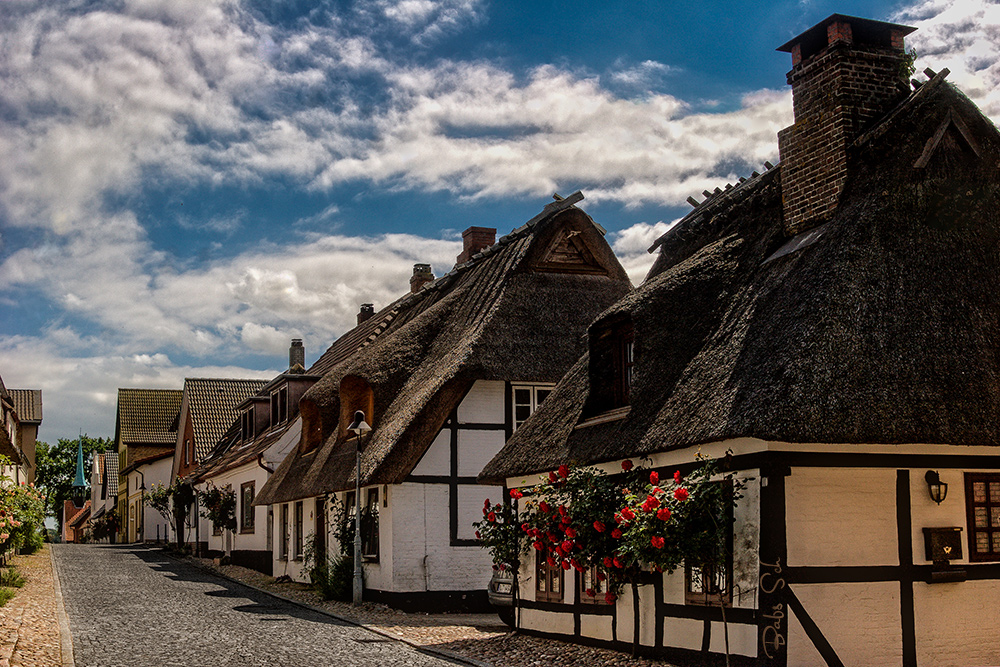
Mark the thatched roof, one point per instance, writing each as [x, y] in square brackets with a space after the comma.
[881, 326]
[515, 311]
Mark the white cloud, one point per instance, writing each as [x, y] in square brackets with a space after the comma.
[631, 246]
[964, 37]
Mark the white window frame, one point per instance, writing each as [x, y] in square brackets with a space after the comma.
[533, 403]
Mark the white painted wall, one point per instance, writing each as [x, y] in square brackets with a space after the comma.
[484, 404]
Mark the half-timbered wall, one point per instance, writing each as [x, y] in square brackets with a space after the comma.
[829, 566]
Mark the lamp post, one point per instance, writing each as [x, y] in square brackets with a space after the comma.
[358, 427]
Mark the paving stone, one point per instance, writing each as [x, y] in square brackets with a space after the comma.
[137, 607]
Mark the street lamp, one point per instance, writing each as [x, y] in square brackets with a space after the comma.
[358, 427]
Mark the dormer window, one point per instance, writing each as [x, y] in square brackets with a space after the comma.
[612, 366]
[247, 425]
[279, 406]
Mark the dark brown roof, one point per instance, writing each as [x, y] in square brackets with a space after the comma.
[513, 312]
[145, 416]
[882, 327]
[211, 403]
[27, 405]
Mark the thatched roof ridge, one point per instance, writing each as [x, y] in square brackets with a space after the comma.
[884, 330]
[493, 317]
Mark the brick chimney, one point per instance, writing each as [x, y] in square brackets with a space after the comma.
[366, 312]
[846, 72]
[296, 357]
[421, 276]
[475, 239]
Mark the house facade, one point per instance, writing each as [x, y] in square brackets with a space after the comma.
[206, 412]
[265, 430]
[145, 434]
[831, 325]
[443, 375]
[103, 488]
[21, 412]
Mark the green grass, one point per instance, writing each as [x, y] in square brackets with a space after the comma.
[6, 594]
[11, 578]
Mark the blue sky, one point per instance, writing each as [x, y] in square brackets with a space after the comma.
[188, 184]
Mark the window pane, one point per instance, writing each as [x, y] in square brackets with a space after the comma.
[996, 542]
[541, 395]
[522, 397]
[983, 542]
[995, 492]
[521, 413]
[979, 492]
[981, 518]
[996, 516]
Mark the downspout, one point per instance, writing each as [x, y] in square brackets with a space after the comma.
[260, 462]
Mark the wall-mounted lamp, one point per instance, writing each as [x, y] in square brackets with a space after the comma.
[937, 489]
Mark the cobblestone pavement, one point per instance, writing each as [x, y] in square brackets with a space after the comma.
[133, 607]
[478, 637]
[29, 627]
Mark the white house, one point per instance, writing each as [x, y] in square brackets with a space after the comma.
[834, 324]
[443, 375]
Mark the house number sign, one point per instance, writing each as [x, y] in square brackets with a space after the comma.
[772, 635]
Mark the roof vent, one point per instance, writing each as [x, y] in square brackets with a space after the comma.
[366, 312]
[475, 239]
[422, 275]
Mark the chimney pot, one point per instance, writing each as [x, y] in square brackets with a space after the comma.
[422, 275]
[475, 239]
[296, 357]
[365, 312]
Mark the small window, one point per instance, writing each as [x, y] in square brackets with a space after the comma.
[548, 580]
[187, 452]
[270, 529]
[246, 507]
[279, 406]
[982, 501]
[624, 359]
[702, 585]
[298, 530]
[283, 545]
[247, 425]
[526, 400]
[593, 586]
[369, 527]
[612, 366]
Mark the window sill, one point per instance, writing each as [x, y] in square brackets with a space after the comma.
[369, 559]
[606, 417]
[246, 531]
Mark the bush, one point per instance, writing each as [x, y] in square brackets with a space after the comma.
[6, 594]
[11, 578]
[334, 580]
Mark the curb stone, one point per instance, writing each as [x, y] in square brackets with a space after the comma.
[65, 636]
[428, 650]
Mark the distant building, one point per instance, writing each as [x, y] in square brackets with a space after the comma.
[21, 411]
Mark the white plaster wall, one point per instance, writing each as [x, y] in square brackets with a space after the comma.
[680, 633]
[647, 614]
[476, 449]
[437, 459]
[470, 506]
[598, 627]
[235, 478]
[422, 559]
[746, 543]
[484, 404]
[861, 621]
[841, 516]
[157, 472]
[742, 639]
[956, 624]
[550, 621]
[290, 566]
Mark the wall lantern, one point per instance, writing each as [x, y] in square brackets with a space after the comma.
[937, 489]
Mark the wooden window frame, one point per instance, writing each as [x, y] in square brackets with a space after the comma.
[708, 598]
[992, 529]
[283, 546]
[279, 406]
[589, 576]
[370, 528]
[547, 573]
[299, 526]
[247, 425]
[624, 361]
[247, 518]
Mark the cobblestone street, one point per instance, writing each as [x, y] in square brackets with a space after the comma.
[135, 607]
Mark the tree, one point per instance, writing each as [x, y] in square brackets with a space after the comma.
[55, 468]
[174, 504]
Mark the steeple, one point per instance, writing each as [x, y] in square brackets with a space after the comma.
[80, 482]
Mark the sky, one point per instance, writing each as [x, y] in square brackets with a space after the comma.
[186, 185]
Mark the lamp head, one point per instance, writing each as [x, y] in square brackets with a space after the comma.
[359, 426]
[937, 489]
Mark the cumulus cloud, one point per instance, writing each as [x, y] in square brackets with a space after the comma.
[965, 38]
[631, 246]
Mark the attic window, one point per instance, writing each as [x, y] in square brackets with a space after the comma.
[247, 425]
[279, 406]
[612, 366]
